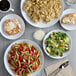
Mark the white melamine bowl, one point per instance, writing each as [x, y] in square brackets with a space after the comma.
[40, 24]
[56, 57]
[12, 16]
[68, 26]
[6, 58]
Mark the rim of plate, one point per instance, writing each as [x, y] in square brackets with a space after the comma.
[12, 16]
[6, 64]
[64, 13]
[57, 57]
[49, 24]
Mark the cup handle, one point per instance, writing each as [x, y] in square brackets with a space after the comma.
[11, 9]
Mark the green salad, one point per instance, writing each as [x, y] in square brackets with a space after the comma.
[57, 43]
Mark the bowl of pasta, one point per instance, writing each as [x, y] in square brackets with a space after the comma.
[42, 13]
[23, 58]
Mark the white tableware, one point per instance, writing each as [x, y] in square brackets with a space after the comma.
[68, 26]
[10, 8]
[12, 16]
[6, 58]
[70, 2]
[40, 24]
[56, 57]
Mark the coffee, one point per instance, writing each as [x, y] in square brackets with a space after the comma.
[4, 5]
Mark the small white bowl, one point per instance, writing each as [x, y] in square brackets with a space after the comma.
[40, 24]
[6, 58]
[12, 16]
[68, 26]
[56, 57]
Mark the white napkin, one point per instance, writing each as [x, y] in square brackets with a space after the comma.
[64, 72]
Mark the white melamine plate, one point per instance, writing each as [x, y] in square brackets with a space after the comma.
[6, 58]
[56, 57]
[40, 24]
[68, 26]
[12, 16]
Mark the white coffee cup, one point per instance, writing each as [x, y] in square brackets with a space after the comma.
[10, 8]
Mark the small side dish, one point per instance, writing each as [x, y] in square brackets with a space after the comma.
[69, 19]
[42, 10]
[39, 35]
[12, 26]
[57, 43]
[24, 58]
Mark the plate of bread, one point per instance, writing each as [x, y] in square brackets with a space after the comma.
[68, 19]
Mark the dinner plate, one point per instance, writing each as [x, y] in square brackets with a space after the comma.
[12, 16]
[6, 58]
[57, 57]
[68, 26]
[40, 24]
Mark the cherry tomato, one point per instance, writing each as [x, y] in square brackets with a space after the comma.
[27, 71]
[20, 58]
[34, 67]
[12, 54]
[27, 49]
[32, 48]
[36, 58]
[9, 61]
[23, 66]
[22, 46]
[31, 62]
[20, 49]
[31, 52]
[35, 53]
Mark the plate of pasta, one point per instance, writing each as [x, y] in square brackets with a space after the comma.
[42, 13]
[23, 58]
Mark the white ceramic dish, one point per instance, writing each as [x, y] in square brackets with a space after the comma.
[6, 58]
[12, 16]
[57, 57]
[68, 26]
[40, 24]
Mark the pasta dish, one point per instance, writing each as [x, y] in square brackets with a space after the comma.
[42, 10]
[24, 58]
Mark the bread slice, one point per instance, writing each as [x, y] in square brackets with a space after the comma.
[69, 19]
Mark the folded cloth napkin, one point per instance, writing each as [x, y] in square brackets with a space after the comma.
[64, 72]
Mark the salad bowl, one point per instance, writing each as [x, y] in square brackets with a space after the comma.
[65, 53]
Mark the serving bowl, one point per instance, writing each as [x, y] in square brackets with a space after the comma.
[40, 24]
[64, 54]
[6, 58]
